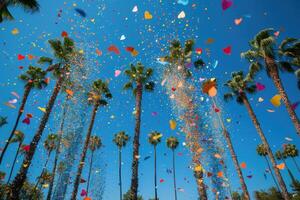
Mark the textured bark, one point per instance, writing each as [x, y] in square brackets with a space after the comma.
[83, 154]
[120, 172]
[22, 175]
[174, 175]
[155, 174]
[13, 165]
[89, 177]
[233, 156]
[57, 152]
[21, 110]
[256, 123]
[136, 143]
[273, 71]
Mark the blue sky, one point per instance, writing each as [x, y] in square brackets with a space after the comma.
[105, 23]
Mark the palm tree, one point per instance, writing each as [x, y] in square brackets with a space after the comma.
[290, 150]
[262, 54]
[120, 140]
[28, 5]
[262, 151]
[179, 58]
[18, 138]
[34, 78]
[154, 139]
[139, 79]
[50, 144]
[172, 143]
[63, 52]
[95, 143]
[207, 86]
[44, 180]
[239, 86]
[98, 97]
[57, 152]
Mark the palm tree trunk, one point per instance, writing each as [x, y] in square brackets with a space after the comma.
[273, 177]
[233, 155]
[21, 177]
[255, 121]
[155, 174]
[296, 164]
[136, 142]
[277, 82]
[13, 165]
[120, 172]
[43, 171]
[89, 177]
[57, 152]
[21, 110]
[288, 169]
[174, 175]
[83, 154]
[199, 178]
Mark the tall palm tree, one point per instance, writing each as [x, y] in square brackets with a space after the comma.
[172, 143]
[18, 138]
[154, 139]
[95, 144]
[207, 86]
[240, 86]
[98, 96]
[33, 78]
[50, 144]
[139, 79]
[63, 51]
[57, 151]
[290, 150]
[120, 140]
[28, 5]
[281, 156]
[262, 151]
[179, 59]
[262, 54]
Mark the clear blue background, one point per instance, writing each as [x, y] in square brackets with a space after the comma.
[114, 18]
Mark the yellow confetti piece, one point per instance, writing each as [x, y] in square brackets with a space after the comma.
[148, 15]
[228, 120]
[198, 168]
[42, 109]
[275, 100]
[172, 124]
[15, 31]
[134, 53]
[156, 137]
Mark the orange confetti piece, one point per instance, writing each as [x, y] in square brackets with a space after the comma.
[69, 92]
[243, 165]
[99, 53]
[30, 57]
[220, 174]
[280, 166]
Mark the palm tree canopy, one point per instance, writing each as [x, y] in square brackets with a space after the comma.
[18, 137]
[121, 139]
[239, 85]
[154, 138]
[139, 74]
[261, 150]
[263, 46]
[34, 77]
[45, 178]
[27, 5]
[99, 93]
[64, 51]
[182, 56]
[290, 150]
[280, 155]
[51, 143]
[172, 143]
[290, 49]
[95, 143]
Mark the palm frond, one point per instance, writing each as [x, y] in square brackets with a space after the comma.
[286, 67]
[44, 60]
[228, 96]
[150, 86]
[128, 86]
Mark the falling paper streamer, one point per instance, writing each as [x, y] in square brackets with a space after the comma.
[275, 100]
